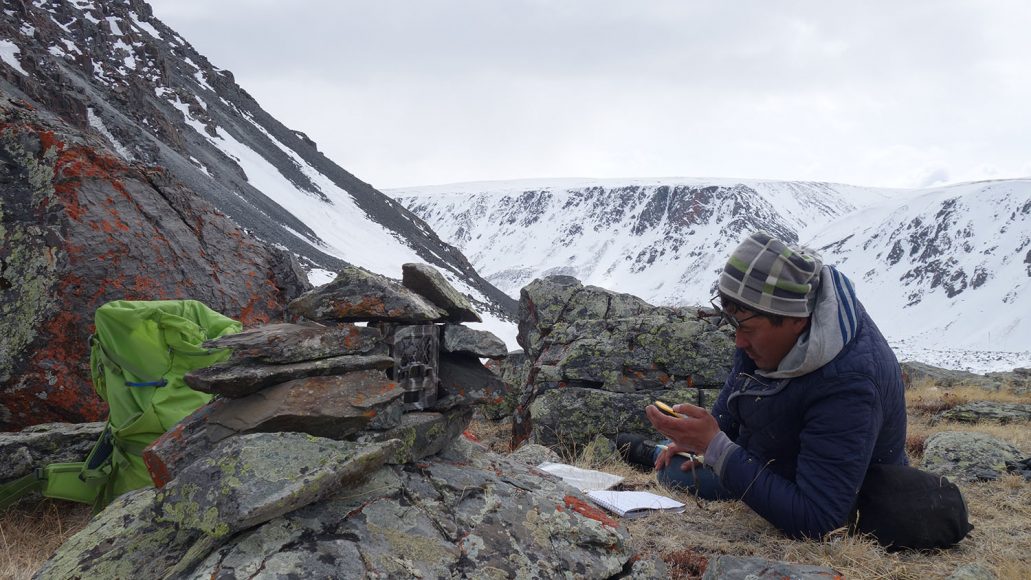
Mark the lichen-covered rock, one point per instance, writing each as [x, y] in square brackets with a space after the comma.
[480, 343]
[571, 417]
[466, 513]
[737, 567]
[592, 339]
[80, 227]
[290, 343]
[124, 541]
[967, 456]
[236, 379]
[422, 433]
[914, 372]
[546, 301]
[973, 571]
[534, 454]
[989, 411]
[357, 295]
[251, 479]
[47, 443]
[429, 283]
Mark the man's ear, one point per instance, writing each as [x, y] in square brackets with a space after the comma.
[796, 324]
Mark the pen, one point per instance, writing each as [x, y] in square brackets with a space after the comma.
[685, 454]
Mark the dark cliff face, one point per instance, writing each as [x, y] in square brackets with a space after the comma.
[80, 227]
[114, 69]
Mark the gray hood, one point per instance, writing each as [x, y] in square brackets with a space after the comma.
[833, 325]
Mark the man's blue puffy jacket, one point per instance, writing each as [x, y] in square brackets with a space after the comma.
[805, 443]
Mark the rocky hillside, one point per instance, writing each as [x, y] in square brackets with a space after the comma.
[113, 69]
[945, 271]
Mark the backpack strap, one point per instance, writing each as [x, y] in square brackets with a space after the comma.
[13, 491]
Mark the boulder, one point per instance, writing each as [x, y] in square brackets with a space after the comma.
[251, 479]
[480, 343]
[429, 283]
[989, 411]
[967, 456]
[80, 227]
[571, 417]
[233, 379]
[39, 445]
[357, 295]
[596, 341]
[290, 343]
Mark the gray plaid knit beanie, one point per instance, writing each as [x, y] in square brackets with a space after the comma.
[766, 274]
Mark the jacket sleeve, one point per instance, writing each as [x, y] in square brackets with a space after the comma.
[719, 408]
[840, 426]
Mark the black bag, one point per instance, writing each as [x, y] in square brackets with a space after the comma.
[906, 508]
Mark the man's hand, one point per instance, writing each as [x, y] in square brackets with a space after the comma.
[691, 433]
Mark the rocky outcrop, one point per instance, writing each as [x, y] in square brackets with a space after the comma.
[80, 227]
[344, 475]
[968, 457]
[597, 358]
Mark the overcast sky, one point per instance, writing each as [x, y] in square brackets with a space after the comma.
[419, 92]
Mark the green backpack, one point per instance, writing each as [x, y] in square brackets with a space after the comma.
[138, 357]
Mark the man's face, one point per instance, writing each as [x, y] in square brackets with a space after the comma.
[764, 342]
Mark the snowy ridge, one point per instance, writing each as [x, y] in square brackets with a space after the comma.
[155, 100]
[946, 272]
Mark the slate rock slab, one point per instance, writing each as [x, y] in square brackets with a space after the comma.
[738, 567]
[989, 411]
[36, 446]
[357, 295]
[233, 379]
[464, 381]
[428, 282]
[967, 456]
[479, 343]
[422, 433]
[289, 343]
[125, 541]
[250, 479]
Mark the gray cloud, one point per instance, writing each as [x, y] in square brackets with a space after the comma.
[411, 92]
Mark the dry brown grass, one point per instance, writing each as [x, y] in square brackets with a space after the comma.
[1000, 511]
[32, 530]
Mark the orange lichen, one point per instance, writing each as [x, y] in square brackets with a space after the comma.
[589, 511]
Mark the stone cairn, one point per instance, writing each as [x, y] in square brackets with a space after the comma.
[334, 450]
[412, 374]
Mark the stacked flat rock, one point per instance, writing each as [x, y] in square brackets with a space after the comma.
[333, 450]
[412, 374]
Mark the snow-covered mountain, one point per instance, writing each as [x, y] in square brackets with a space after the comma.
[946, 272]
[113, 69]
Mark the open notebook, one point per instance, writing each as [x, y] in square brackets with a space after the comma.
[632, 504]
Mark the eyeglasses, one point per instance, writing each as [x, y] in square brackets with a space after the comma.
[726, 318]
